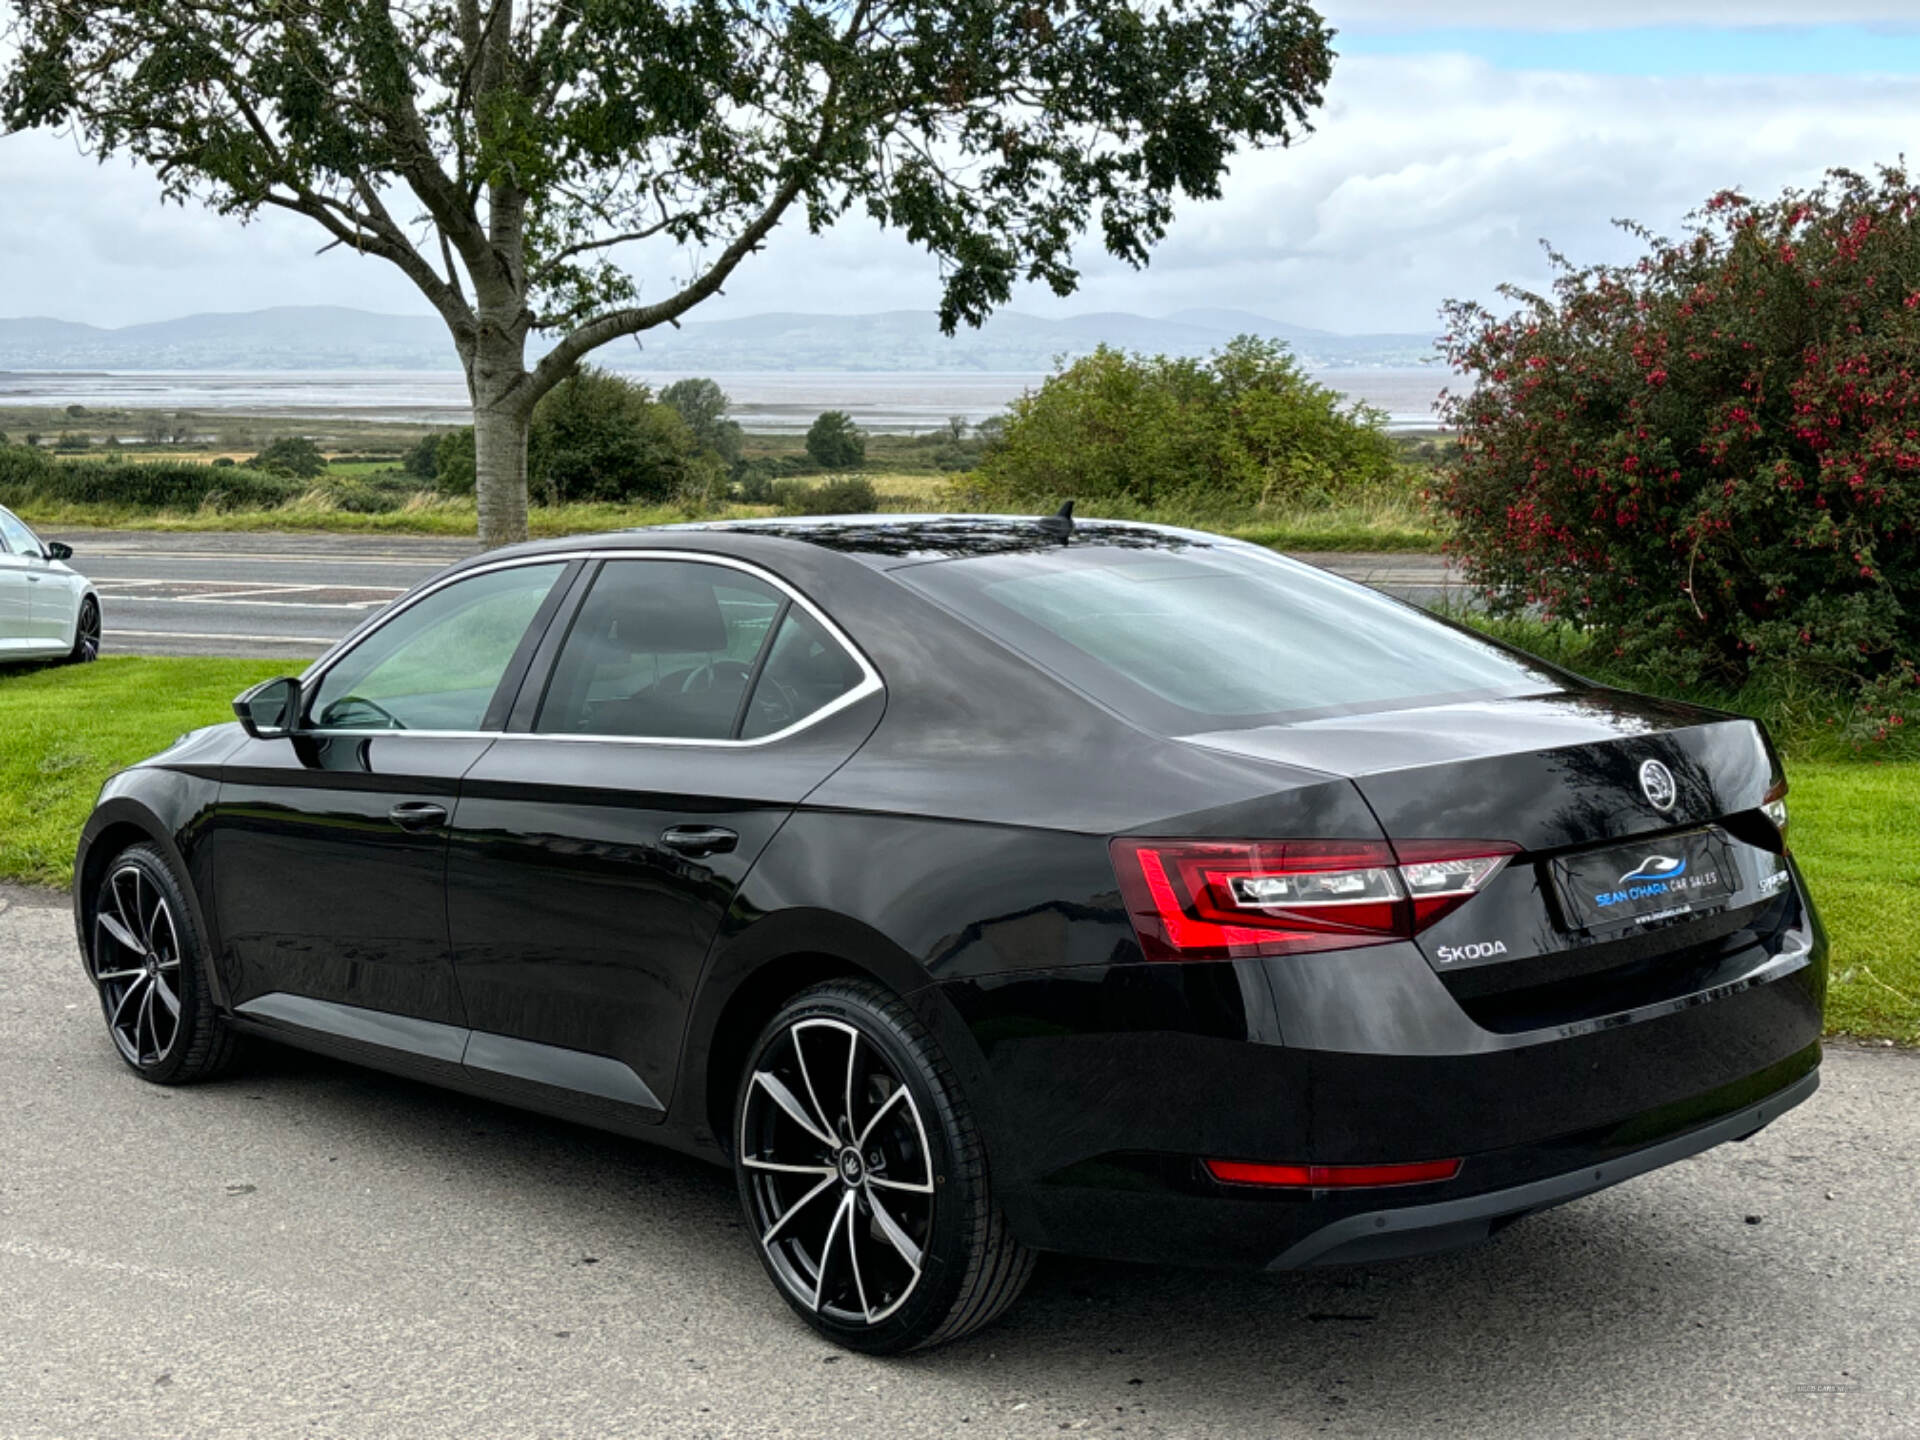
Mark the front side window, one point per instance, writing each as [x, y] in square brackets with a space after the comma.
[436, 665]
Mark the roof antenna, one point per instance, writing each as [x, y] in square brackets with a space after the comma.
[1060, 523]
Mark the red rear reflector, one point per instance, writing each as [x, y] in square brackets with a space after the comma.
[1331, 1177]
[1229, 899]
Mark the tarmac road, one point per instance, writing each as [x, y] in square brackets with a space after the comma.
[312, 1250]
[293, 595]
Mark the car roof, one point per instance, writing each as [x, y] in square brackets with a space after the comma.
[885, 542]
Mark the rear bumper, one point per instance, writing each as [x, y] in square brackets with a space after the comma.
[1400, 1231]
[1108, 1086]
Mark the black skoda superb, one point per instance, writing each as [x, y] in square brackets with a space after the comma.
[977, 887]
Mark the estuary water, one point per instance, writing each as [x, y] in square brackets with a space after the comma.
[765, 401]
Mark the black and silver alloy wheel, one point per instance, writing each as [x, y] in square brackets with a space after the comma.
[86, 634]
[840, 1178]
[864, 1178]
[136, 965]
[146, 960]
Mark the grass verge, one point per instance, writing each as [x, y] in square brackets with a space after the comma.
[1855, 830]
[1856, 825]
[67, 729]
[1392, 521]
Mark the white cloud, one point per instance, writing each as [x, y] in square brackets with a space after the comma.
[1609, 14]
[1430, 176]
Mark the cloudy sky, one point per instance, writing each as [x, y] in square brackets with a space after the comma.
[1445, 154]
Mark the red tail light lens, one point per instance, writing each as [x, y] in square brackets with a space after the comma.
[1228, 899]
[1331, 1177]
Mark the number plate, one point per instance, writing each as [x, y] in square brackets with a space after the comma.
[1640, 883]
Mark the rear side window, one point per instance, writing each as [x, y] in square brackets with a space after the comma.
[1186, 636]
[662, 649]
[805, 671]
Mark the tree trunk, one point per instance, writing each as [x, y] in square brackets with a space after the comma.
[500, 473]
[496, 378]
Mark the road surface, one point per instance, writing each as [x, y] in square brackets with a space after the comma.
[293, 595]
[311, 1250]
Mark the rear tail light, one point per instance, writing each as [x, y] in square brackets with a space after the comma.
[1331, 1177]
[1227, 899]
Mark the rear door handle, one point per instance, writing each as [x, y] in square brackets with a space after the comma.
[418, 815]
[698, 840]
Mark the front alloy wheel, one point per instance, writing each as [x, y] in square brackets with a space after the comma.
[147, 963]
[864, 1179]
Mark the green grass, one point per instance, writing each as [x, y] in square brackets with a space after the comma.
[67, 729]
[1855, 825]
[1855, 829]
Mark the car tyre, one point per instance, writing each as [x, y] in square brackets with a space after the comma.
[148, 963]
[86, 634]
[864, 1178]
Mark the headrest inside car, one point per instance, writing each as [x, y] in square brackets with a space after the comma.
[674, 612]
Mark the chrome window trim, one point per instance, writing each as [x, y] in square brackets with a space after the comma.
[870, 682]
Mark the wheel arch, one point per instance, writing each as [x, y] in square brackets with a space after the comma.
[116, 825]
[764, 966]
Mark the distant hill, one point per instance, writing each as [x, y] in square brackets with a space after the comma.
[335, 338]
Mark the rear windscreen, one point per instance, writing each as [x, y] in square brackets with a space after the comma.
[1195, 636]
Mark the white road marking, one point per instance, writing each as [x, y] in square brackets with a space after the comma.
[249, 603]
[224, 635]
[427, 563]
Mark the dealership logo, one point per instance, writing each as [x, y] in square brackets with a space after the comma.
[1656, 867]
[1656, 783]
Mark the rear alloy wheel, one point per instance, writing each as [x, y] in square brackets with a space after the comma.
[86, 634]
[146, 961]
[864, 1179]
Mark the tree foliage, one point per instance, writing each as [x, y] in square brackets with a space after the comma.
[600, 436]
[293, 455]
[1244, 427]
[834, 442]
[703, 405]
[1712, 452]
[523, 162]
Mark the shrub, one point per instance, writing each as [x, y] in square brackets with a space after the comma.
[453, 462]
[27, 476]
[842, 495]
[293, 455]
[599, 436]
[834, 442]
[422, 462]
[1241, 428]
[1710, 454]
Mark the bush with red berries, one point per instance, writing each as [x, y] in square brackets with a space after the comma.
[1711, 457]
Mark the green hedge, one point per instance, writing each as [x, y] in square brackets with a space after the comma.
[27, 475]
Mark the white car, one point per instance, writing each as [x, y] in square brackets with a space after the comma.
[47, 609]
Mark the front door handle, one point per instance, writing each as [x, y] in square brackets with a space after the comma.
[698, 840]
[418, 815]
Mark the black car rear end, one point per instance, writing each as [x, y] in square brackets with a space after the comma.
[1560, 941]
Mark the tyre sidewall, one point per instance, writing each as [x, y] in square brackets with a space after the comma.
[78, 655]
[916, 1062]
[195, 1004]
